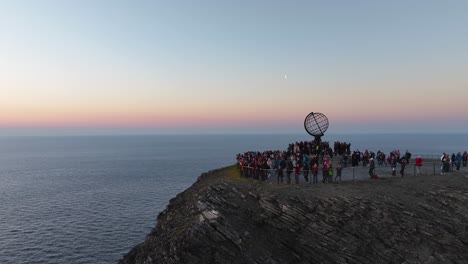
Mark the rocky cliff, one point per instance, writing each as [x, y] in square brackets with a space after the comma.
[223, 218]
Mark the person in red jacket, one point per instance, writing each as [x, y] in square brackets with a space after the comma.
[418, 163]
[315, 173]
[297, 171]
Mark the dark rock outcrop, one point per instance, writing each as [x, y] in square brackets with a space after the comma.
[223, 218]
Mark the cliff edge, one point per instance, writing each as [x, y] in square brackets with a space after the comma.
[224, 218]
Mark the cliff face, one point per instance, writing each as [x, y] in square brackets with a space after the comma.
[226, 219]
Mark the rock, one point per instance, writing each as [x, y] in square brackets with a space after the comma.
[253, 195]
[410, 220]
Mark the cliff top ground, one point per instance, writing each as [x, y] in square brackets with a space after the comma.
[224, 218]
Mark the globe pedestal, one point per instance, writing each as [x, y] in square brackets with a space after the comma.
[317, 140]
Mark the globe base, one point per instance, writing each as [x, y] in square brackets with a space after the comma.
[318, 139]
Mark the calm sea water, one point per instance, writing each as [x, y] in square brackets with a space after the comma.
[91, 199]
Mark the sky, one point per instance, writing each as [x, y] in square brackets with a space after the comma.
[151, 67]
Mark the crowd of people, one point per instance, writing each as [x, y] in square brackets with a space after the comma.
[453, 162]
[309, 159]
[306, 158]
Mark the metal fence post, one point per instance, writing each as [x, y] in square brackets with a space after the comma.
[353, 173]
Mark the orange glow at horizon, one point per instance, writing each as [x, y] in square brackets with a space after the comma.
[164, 119]
[202, 118]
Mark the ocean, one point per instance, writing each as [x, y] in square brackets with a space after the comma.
[90, 199]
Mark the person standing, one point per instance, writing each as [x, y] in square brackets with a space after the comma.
[297, 171]
[258, 169]
[305, 172]
[345, 160]
[270, 165]
[442, 164]
[252, 168]
[315, 173]
[365, 158]
[330, 173]
[265, 172]
[339, 167]
[418, 163]
[325, 173]
[403, 166]
[371, 168]
[289, 170]
[452, 161]
[393, 164]
[458, 159]
[445, 167]
[281, 166]
[384, 159]
[465, 158]
[407, 156]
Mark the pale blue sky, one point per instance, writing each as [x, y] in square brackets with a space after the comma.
[96, 65]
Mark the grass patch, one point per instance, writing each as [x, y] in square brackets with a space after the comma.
[233, 173]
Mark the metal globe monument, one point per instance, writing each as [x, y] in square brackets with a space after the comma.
[316, 124]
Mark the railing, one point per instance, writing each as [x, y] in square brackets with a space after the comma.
[353, 173]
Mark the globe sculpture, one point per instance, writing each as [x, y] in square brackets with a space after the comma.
[316, 124]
